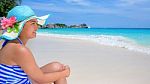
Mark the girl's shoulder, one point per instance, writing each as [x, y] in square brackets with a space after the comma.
[11, 51]
[19, 52]
[14, 48]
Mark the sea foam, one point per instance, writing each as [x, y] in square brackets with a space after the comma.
[117, 41]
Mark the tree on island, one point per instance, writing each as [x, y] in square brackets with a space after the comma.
[61, 25]
[83, 25]
[6, 5]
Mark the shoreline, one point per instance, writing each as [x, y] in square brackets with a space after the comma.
[127, 43]
[91, 62]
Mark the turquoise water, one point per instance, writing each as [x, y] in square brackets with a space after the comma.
[123, 37]
[141, 36]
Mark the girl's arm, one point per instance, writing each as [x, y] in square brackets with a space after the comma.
[25, 59]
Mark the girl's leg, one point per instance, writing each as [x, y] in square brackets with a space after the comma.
[54, 67]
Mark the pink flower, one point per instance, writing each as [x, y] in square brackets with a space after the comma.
[12, 20]
[5, 23]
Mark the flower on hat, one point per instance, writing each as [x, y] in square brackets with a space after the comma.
[10, 24]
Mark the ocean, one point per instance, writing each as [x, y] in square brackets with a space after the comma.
[135, 39]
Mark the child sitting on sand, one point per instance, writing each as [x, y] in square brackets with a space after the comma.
[17, 64]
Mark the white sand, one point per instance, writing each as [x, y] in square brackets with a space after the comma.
[92, 63]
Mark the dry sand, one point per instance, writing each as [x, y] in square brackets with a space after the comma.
[92, 63]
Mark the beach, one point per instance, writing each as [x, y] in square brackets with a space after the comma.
[91, 62]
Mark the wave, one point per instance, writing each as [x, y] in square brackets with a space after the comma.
[109, 40]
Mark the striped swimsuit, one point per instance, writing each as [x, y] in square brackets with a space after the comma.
[12, 74]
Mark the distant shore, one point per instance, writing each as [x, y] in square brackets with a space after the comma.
[61, 25]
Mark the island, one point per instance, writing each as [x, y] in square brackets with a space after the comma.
[61, 25]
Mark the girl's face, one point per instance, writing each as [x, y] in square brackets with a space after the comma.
[29, 29]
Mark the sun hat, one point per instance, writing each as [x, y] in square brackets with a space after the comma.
[13, 24]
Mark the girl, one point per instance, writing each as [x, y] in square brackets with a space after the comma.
[17, 64]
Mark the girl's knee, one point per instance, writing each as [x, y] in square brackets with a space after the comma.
[56, 66]
[52, 67]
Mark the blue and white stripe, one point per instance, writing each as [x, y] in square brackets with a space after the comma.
[13, 75]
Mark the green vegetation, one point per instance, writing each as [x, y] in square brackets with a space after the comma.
[60, 25]
[6, 5]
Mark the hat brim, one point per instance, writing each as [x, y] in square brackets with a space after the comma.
[13, 35]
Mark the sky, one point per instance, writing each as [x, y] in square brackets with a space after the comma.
[95, 13]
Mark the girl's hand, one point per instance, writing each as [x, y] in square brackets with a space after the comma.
[66, 71]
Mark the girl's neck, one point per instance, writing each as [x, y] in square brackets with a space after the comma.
[24, 41]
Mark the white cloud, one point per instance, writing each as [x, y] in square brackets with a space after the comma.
[51, 7]
[78, 2]
[131, 2]
[126, 11]
[40, 6]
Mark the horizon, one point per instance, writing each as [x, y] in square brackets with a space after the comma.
[94, 13]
